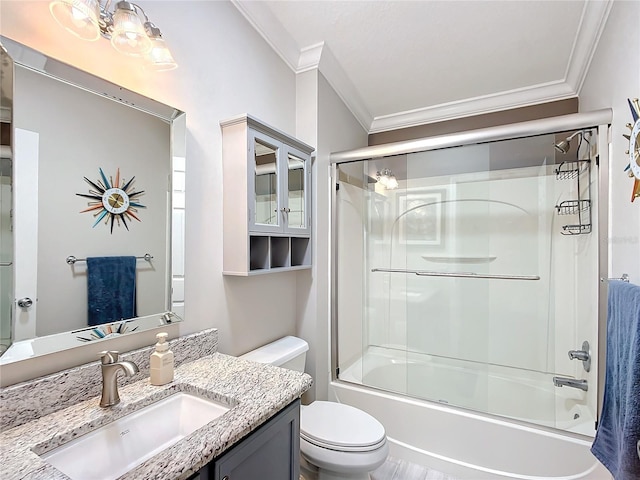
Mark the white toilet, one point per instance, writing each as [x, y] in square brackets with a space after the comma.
[337, 441]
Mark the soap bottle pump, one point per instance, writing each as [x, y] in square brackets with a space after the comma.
[161, 362]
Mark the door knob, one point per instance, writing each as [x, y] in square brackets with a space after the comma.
[25, 302]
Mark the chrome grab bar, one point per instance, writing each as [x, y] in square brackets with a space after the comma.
[570, 382]
[428, 273]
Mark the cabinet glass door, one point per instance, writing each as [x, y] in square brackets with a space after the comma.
[266, 184]
[296, 194]
[296, 188]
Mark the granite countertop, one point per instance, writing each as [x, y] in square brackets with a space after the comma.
[255, 393]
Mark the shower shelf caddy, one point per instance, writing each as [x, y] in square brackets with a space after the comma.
[579, 207]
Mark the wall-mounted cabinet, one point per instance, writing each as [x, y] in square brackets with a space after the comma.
[267, 199]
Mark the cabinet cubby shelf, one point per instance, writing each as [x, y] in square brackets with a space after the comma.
[277, 254]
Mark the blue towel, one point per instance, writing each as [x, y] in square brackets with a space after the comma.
[619, 426]
[111, 285]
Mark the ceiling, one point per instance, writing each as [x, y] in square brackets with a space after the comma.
[402, 63]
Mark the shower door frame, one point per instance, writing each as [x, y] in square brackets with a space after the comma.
[600, 120]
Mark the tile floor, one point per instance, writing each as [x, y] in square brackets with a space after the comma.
[395, 469]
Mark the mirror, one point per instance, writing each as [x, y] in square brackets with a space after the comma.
[266, 195]
[94, 173]
[296, 190]
[6, 239]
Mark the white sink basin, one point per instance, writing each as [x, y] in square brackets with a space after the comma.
[116, 448]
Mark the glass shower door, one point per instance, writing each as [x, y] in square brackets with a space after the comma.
[456, 283]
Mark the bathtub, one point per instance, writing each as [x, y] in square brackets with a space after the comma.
[465, 444]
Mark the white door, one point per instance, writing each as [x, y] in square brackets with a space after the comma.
[25, 233]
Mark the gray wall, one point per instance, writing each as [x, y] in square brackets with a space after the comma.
[323, 115]
[225, 69]
[614, 76]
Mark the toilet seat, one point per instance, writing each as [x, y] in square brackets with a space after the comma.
[340, 427]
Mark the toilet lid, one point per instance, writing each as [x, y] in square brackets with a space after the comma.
[340, 427]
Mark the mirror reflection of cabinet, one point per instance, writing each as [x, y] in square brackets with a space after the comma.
[267, 199]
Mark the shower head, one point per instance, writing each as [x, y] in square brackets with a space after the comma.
[563, 146]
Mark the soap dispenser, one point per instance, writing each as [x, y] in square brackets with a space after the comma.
[161, 362]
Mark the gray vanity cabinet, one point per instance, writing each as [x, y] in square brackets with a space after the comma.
[272, 452]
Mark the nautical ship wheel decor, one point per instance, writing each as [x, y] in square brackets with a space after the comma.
[634, 147]
[114, 201]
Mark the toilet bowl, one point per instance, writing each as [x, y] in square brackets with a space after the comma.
[337, 441]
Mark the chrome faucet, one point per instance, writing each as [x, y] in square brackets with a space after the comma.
[570, 382]
[110, 368]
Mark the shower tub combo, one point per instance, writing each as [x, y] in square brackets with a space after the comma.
[458, 293]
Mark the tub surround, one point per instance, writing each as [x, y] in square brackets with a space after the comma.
[36, 398]
[255, 393]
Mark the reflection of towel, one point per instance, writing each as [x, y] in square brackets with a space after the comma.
[619, 427]
[111, 285]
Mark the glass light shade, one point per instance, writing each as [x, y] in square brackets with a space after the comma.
[128, 35]
[79, 17]
[387, 179]
[392, 182]
[160, 58]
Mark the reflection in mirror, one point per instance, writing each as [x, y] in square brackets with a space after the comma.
[296, 192]
[6, 239]
[91, 179]
[266, 195]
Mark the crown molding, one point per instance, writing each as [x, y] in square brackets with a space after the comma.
[521, 97]
[319, 56]
[592, 23]
[269, 27]
[344, 88]
[299, 60]
[309, 58]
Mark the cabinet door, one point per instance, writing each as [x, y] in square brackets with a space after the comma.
[271, 453]
[264, 190]
[296, 173]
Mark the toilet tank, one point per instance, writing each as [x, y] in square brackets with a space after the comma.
[287, 352]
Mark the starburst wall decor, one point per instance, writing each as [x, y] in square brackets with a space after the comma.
[114, 201]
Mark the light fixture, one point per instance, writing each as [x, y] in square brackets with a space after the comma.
[387, 179]
[128, 35]
[564, 146]
[159, 57]
[127, 26]
[80, 17]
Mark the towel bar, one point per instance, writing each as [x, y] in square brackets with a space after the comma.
[623, 278]
[427, 273]
[71, 259]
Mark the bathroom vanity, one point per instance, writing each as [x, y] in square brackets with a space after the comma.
[258, 432]
[273, 451]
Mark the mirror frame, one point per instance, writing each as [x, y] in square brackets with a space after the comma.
[30, 367]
